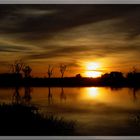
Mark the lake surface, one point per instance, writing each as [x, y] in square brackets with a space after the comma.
[95, 110]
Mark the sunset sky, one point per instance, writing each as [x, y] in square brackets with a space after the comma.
[87, 38]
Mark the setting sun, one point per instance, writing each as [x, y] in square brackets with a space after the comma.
[92, 66]
[92, 69]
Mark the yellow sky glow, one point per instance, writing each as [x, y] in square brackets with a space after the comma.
[93, 74]
[92, 69]
[92, 66]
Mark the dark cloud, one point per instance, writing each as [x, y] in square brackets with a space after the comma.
[11, 48]
[84, 51]
[59, 52]
[45, 20]
[120, 49]
[70, 32]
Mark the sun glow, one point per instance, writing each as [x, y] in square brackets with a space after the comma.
[92, 69]
[92, 66]
[92, 92]
[93, 74]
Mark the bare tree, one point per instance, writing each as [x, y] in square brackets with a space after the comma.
[50, 71]
[27, 71]
[17, 66]
[62, 69]
[134, 69]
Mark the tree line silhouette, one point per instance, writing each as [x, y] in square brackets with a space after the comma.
[21, 117]
[20, 75]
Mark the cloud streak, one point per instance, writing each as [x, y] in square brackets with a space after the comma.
[70, 32]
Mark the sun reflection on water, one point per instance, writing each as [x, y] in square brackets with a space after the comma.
[91, 93]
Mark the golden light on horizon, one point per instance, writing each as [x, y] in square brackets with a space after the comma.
[92, 66]
[92, 69]
[93, 74]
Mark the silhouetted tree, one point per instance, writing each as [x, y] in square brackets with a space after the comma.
[62, 69]
[27, 71]
[134, 70]
[133, 77]
[50, 71]
[113, 78]
[17, 66]
[113, 75]
[78, 76]
[116, 75]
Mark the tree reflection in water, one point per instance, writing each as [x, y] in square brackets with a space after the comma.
[16, 98]
[62, 95]
[25, 99]
[135, 91]
[50, 101]
[27, 95]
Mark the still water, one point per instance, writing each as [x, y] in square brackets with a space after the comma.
[95, 110]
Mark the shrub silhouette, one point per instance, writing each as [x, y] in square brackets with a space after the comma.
[27, 71]
[19, 119]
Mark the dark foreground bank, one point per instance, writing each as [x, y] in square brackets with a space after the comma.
[21, 120]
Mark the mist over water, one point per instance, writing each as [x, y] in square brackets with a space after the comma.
[96, 110]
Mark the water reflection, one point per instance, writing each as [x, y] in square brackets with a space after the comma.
[62, 95]
[87, 94]
[50, 97]
[91, 107]
[115, 88]
[90, 93]
[16, 98]
[135, 91]
[25, 99]
[27, 95]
